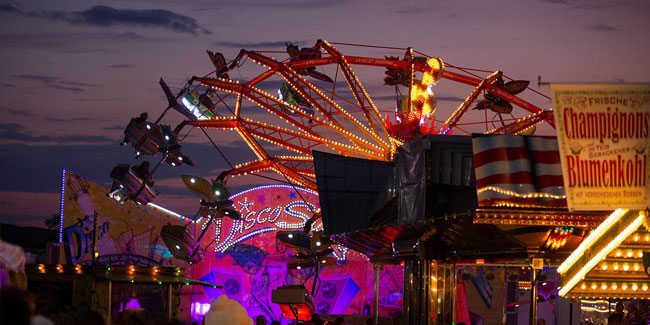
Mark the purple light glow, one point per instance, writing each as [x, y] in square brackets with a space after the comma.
[199, 309]
[133, 304]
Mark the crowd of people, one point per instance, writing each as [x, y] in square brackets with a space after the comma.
[634, 313]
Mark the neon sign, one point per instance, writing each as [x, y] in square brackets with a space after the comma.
[265, 209]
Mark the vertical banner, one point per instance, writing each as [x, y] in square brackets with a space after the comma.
[603, 133]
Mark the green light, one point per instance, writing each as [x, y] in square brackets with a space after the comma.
[187, 283]
[132, 281]
[159, 282]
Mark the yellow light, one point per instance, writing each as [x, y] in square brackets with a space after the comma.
[614, 286]
[604, 266]
[635, 287]
[595, 235]
[644, 287]
[624, 286]
[626, 267]
[630, 253]
[594, 286]
[618, 253]
[615, 266]
[584, 286]
[604, 286]
[636, 267]
[620, 237]
[636, 237]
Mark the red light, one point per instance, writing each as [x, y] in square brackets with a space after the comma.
[480, 261]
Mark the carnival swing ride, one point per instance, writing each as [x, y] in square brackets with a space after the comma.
[313, 100]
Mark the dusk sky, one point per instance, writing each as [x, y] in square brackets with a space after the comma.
[72, 73]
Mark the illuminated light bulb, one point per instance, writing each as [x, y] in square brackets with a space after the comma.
[618, 253]
[604, 286]
[177, 247]
[298, 267]
[630, 253]
[166, 137]
[594, 286]
[640, 254]
[217, 192]
[636, 237]
[636, 267]
[614, 286]
[148, 127]
[604, 266]
[323, 261]
[290, 235]
[647, 237]
[192, 180]
[635, 287]
[616, 267]
[583, 286]
[624, 286]
[626, 267]
[318, 243]
[644, 287]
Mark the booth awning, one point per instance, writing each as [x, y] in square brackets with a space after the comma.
[609, 263]
[116, 273]
[451, 237]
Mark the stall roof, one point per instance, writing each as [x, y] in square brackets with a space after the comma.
[609, 262]
[450, 237]
[116, 273]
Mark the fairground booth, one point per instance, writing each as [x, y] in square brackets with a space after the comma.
[429, 215]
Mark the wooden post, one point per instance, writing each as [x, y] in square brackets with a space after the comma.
[169, 302]
[375, 306]
[533, 298]
[110, 298]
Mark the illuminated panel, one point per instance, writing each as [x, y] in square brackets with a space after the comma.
[620, 225]
[265, 209]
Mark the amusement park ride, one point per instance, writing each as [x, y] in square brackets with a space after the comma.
[313, 110]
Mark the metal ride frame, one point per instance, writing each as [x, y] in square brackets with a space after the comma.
[332, 127]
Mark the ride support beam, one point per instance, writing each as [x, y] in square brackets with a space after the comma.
[522, 124]
[464, 106]
[356, 87]
[277, 107]
[284, 137]
[288, 71]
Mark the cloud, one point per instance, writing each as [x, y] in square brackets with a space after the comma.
[7, 85]
[55, 82]
[42, 78]
[75, 119]
[72, 43]
[104, 16]
[16, 132]
[115, 127]
[249, 45]
[16, 112]
[121, 66]
[603, 28]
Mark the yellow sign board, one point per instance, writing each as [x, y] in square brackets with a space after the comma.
[603, 133]
[125, 234]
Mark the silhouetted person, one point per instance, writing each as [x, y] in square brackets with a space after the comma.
[142, 118]
[17, 306]
[260, 320]
[338, 321]
[92, 317]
